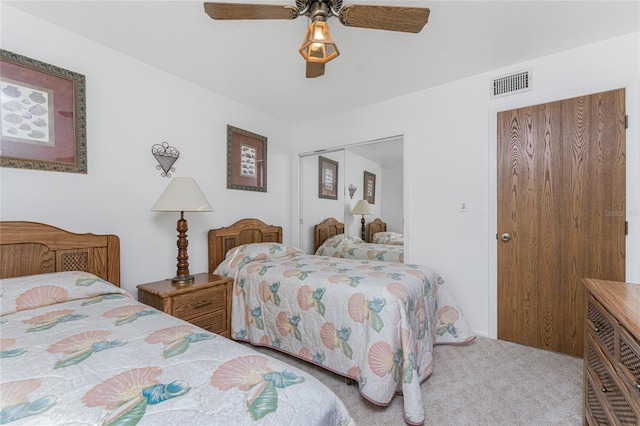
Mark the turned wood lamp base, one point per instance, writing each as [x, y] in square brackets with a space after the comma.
[182, 274]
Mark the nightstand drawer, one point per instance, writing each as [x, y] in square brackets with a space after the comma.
[187, 306]
[214, 322]
[206, 302]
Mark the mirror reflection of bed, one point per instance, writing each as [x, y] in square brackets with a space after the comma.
[331, 240]
[381, 157]
[377, 233]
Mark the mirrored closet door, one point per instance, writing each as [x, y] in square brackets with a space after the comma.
[345, 168]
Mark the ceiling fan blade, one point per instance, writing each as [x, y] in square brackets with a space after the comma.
[315, 69]
[390, 18]
[250, 11]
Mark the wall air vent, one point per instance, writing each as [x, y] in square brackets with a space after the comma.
[511, 84]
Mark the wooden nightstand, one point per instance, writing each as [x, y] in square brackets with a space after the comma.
[205, 303]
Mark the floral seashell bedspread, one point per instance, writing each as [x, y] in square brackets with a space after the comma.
[375, 322]
[77, 350]
[355, 248]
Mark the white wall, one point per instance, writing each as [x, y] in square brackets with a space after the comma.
[356, 166]
[391, 211]
[449, 155]
[130, 107]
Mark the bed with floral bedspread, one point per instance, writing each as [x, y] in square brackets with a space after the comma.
[389, 238]
[375, 322]
[75, 349]
[350, 247]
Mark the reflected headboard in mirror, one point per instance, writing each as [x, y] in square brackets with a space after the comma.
[324, 230]
[244, 231]
[29, 248]
[376, 226]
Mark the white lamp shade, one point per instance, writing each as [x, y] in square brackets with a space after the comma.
[362, 207]
[182, 195]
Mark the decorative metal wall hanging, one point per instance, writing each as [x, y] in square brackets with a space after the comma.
[352, 190]
[166, 155]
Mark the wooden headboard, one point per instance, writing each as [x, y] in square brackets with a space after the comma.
[376, 226]
[324, 230]
[244, 231]
[29, 248]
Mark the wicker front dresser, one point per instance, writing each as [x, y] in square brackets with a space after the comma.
[612, 353]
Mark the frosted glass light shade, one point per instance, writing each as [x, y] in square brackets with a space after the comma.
[362, 207]
[182, 195]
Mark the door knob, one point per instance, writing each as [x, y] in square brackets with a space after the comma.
[505, 237]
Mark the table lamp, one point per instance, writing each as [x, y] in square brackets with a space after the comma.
[362, 207]
[182, 195]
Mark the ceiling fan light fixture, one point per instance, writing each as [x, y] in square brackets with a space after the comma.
[318, 44]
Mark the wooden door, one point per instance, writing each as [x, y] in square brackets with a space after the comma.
[561, 215]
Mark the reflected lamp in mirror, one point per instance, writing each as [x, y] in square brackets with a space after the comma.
[182, 195]
[363, 208]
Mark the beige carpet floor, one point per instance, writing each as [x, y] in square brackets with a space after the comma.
[488, 382]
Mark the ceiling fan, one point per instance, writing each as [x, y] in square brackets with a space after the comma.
[318, 47]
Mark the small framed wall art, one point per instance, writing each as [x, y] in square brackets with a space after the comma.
[246, 160]
[327, 178]
[42, 116]
[370, 187]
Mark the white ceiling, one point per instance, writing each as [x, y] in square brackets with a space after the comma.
[257, 62]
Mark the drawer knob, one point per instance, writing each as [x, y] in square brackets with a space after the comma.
[202, 305]
[596, 329]
[599, 383]
[637, 385]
